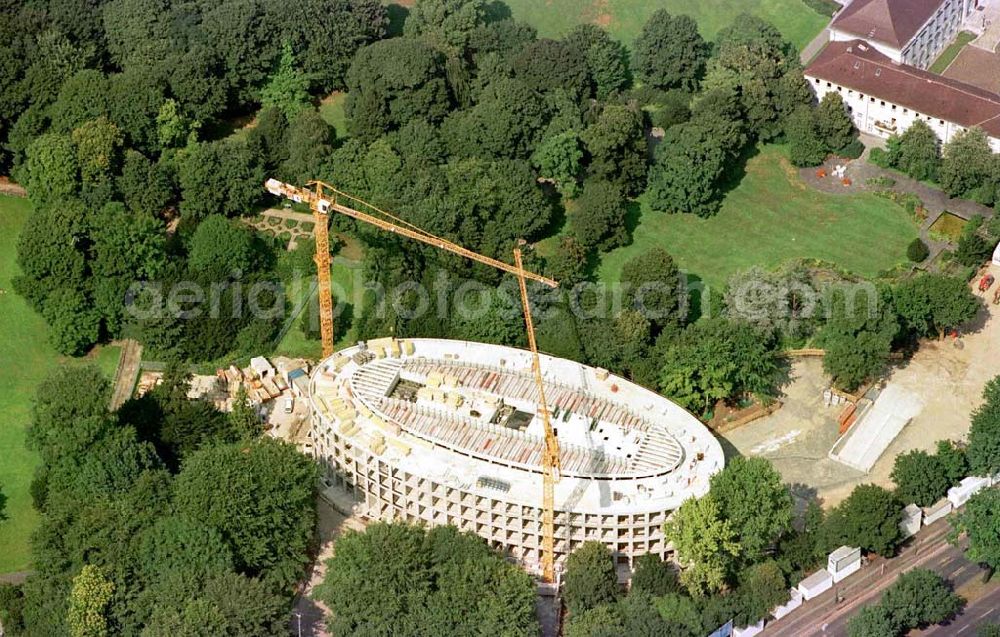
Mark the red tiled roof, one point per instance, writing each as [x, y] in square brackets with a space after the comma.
[892, 22]
[859, 66]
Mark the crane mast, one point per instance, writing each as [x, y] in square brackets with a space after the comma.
[323, 199]
[550, 457]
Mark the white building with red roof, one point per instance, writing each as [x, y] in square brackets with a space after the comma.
[911, 32]
[885, 97]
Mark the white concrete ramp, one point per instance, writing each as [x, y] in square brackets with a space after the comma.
[875, 429]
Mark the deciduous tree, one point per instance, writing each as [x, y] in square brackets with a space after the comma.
[670, 52]
[833, 123]
[917, 152]
[705, 542]
[968, 167]
[984, 434]
[590, 579]
[598, 220]
[267, 480]
[717, 359]
[920, 478]
[88, 603]
[858, 336]
[980, 522]
[758, 505]
[558, 159]
[687, 171]
[868, 518]
[931, 304]
[617, 146]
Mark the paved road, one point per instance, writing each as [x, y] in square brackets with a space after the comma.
[813, 49]
[825, 616]
[985, 610]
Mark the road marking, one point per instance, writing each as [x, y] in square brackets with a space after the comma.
[963, 629]
[987, 613]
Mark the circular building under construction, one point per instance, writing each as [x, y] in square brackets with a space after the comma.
[446, 432]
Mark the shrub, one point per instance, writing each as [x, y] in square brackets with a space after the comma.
[879, 157]
[852, 150]
[917, 251]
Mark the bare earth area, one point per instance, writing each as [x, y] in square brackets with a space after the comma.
[948, 376]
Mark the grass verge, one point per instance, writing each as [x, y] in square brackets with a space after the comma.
[948, 56]
[25, 359]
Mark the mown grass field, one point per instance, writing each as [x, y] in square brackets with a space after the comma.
[769, 218]
[624, 18]
[25, 359]
[295, 344]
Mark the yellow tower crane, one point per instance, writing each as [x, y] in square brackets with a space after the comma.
[323, 199]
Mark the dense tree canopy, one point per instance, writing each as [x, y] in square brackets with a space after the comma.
[126, 543]
[718, 359]
[669, 52]
[753, 498]
[395, 579]
[868, 518]
[590, 579]
[920, 478]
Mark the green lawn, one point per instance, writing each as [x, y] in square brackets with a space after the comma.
[948, 56]
[25, 359]
[331, 109]
[624, 18]
[295, 344]
[769, 218]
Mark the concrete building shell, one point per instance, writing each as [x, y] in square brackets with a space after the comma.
[446, 432]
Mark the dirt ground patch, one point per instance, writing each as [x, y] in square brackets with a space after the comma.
[948, 377]
[978, 67]
[8, 187]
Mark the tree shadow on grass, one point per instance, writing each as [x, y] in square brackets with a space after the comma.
[736, 170]
[633, 214]
[3, 506]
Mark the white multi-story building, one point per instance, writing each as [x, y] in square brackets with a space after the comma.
[447, 432]
[885, 97]
[910, 32]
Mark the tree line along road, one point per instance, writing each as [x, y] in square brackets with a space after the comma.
[825, 615]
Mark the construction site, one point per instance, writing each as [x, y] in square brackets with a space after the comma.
[449, 432]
